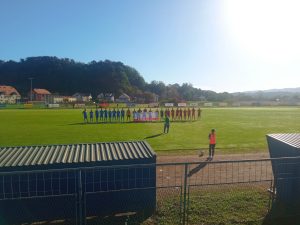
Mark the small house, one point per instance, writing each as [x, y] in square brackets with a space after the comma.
[39, 94]
[123, 98]
[106, 97]
[9, 94]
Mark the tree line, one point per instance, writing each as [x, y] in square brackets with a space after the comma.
[65, 76]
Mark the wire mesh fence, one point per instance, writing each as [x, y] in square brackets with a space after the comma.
[208, 192]
[119, 195]
[40, 196]
[241, 203]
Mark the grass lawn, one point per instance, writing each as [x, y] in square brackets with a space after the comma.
[238, 129]
[224, 205]
[227, 204]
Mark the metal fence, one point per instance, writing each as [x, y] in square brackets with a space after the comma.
[206, 192]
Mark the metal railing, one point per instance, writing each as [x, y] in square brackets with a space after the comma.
[165, 193]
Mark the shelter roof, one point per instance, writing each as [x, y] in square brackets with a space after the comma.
[65, 155]
[292, 139]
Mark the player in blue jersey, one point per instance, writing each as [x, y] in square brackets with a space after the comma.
[85, 116]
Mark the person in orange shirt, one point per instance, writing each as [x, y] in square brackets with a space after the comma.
[212, 143]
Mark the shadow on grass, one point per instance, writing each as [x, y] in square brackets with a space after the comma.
[128, 122]
[184, 121]
[154, 136]
[199, 167]
[100, 123]
[283, 214]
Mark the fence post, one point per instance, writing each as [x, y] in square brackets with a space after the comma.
[185, 192]
[79, 201]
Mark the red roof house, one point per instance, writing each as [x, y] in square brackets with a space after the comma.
[8, 94]
[39, 94]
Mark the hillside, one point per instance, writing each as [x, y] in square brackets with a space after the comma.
[66, 77]
[284, 94]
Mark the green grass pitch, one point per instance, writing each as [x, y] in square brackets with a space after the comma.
[239, 130]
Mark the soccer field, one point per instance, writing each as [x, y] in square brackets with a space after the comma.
[239, 130]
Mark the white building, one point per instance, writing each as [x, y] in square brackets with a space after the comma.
[63, 99]
[80, 97]
[9, 94]
[107, 97]
[123, 98]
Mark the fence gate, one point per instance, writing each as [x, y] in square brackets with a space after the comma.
[231, 192]
[169, 194]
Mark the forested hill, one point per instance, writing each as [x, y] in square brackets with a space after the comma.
[66, 77]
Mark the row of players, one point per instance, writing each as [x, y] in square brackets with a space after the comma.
[116, 115]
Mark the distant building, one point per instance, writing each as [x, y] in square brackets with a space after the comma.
[123, 98]
[107, 97]
[70, 99]
[39, 94]
[9, 94]
[57, 99]
[139, 99]
[208, 104]
[82, 97]
[63, 99]
[223, 104]
[145, 97]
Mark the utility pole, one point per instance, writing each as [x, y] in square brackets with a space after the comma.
[31, 78]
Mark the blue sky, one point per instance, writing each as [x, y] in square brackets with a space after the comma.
[219, 45]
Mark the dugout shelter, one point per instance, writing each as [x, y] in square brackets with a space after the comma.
[285, 153]
[76, 181]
